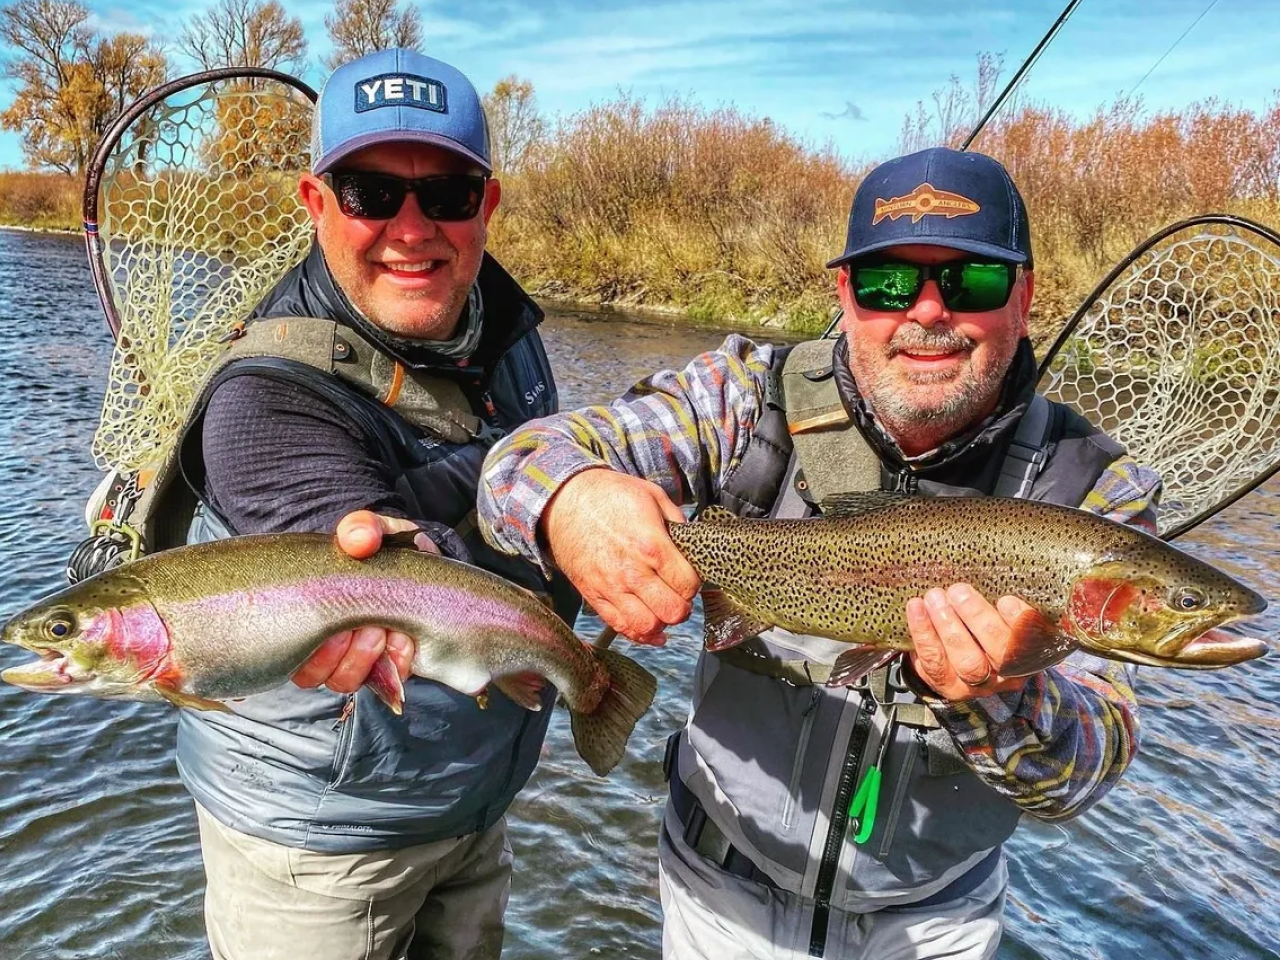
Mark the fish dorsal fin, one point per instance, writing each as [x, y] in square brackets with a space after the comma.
[863, 501]
[725, 623]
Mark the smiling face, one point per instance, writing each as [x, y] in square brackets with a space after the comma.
[408, 275]
[929, 372]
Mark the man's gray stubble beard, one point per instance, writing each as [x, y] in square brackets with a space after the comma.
[970, 396]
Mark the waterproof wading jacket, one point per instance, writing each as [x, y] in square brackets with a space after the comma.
[771, 762]
[936, 818]
[336, 773]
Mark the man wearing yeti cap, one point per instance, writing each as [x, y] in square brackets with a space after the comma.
[397, 351]
[862, 821]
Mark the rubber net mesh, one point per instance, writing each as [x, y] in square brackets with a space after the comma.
[1179, 360]
[199, 218]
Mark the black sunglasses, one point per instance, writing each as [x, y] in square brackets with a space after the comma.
[448, 197]
[967, 286]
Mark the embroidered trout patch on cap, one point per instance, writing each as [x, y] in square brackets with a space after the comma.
[924, 201]
[401, 90]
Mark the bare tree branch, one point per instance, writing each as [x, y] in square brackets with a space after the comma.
[357, 27]
[246, 33]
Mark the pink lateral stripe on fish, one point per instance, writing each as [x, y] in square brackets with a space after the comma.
[159, 629]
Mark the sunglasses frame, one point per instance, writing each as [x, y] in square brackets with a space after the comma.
[408, 185]
[931, 271]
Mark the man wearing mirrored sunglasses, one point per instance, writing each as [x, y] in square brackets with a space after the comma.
[374, 376]
[861, 821]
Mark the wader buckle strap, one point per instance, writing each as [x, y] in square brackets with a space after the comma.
[704, 837]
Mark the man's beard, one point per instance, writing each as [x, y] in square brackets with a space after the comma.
[970, 394]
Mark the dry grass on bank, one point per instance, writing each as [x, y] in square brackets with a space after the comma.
[727, 217]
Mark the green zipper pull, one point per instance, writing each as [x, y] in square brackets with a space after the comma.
[862, 810]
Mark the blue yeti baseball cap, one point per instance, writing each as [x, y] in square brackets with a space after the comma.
[942, 197]
[397, 95]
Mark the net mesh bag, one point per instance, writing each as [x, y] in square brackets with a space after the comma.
[1179, 360]
[199, 218]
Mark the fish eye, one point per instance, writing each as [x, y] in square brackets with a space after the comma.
[60, 625]
[1188, 599]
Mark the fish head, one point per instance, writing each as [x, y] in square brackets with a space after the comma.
[1161, 607]
[100, 638]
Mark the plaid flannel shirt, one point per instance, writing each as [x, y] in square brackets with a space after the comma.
[1054, 748]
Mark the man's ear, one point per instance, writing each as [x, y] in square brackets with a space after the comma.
[311, 191]
[843, 290]
[492, 197]
[1028, 289]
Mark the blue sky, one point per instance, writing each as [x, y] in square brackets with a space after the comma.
[839, 72]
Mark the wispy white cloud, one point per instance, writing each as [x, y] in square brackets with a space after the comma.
[805, 65]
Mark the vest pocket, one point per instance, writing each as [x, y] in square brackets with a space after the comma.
[345, 724]
[899, 792]
[802, 748]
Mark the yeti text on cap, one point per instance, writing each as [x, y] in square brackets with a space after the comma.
[400, 90]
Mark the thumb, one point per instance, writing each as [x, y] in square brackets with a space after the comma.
[667, 506]
[360, 534]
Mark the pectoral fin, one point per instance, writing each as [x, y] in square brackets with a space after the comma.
[726, 623]
[384, 681]
[1036, 643]
[189, 700]
[852, 665]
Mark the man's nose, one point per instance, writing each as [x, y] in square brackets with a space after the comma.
[410, 225]
[929, 308]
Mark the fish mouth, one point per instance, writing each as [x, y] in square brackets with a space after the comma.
[49, 673]
[1210, 650]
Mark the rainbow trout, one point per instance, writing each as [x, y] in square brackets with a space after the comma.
[219, 621]
[1093, 584]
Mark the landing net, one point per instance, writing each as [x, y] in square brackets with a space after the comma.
[199, 217]
[1177, 356]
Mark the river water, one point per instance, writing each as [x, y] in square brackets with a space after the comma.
[98, 852]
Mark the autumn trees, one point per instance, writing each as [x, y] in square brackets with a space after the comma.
[71, 80]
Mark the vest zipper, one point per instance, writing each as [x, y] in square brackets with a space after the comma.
[835, 834]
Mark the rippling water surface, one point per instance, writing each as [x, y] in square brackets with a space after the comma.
[98, 852]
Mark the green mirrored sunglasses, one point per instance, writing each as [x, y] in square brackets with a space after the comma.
[967, 286]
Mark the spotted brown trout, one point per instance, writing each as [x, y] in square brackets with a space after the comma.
[219, 621]
[1093, 584]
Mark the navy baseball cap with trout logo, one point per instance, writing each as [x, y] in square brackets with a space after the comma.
[942, 197]
[394, 96]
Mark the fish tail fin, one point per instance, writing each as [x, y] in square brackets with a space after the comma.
[601, 735]
[725, 623]
[384, 681]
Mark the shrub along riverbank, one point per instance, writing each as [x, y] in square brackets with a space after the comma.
[725, 217]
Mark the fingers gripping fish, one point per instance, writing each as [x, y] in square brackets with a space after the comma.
[204, 624]
[1093, 584]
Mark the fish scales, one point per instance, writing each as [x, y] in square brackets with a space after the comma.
[223, 620]
[847, 575]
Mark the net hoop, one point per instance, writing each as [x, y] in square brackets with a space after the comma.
[191, 215]
[111, 139]
[1176, 353]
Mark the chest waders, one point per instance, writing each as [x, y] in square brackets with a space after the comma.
[805, 448]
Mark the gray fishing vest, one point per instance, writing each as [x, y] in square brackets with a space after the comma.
[766, 757]
[337, 773]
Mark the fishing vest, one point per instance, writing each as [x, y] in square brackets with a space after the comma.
[340, 773]
[777, 789]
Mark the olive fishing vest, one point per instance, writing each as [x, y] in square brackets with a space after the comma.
[335, 773]
[774, 756]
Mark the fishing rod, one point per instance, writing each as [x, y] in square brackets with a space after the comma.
[1022, 71]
